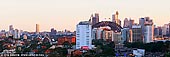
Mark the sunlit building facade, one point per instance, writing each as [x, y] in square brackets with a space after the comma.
[83, 35]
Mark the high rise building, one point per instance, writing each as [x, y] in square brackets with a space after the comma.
[126, 23]
[131, 22]
[95, 18]
[137, 33]
[11, 27]
[37, 28]
[97, 33]
[160, 30]
[117, 37]
[11, 30]
[165, 29]
[156, 32]
[115, 18]
[148, 30]
[17, 34]
[83, 35]
[142, 23]
[94, 33]
[149, 33]
[125, 34]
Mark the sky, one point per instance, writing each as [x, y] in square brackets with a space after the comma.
[65, 14]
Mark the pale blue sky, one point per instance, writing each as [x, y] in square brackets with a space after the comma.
[65, 14]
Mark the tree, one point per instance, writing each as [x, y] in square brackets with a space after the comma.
[67, 45]
[59, 52]
[111, 44]
[167, 54]
[167, 45]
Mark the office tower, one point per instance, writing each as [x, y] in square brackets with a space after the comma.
[156, 32]
[37, 28]
[11, 30]
[125, 34]
[11, 27]
[142, 23]
[160, 30]
[149, 33]
[16, 34]
[97, 33]
[117, 37]
[165, 29]
[137, 33]
[94, 33]
[95, 18]
[148, 30]
[115, 18]
[131, 22]
[83, 35]
[126, 23]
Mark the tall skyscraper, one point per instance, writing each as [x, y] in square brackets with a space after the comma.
[95, 18]
[126, 23]
[83, 35]
[148, 30]
[97, 33]
[115, 18]
[160, 30]
[16, 34]
[11, 30]
[137, 33]
[165, 29]
[156, 32]
[125, 34]
[142, 23]
[131, 22]
[37, 28]
[11, 27]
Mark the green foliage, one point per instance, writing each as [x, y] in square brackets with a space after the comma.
[104, 48]
[59, 52]
[167, 54]
[67, 45]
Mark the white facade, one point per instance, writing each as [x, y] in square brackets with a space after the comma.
[149, 33]
[83, 35]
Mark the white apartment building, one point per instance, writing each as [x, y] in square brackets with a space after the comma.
[83, 35]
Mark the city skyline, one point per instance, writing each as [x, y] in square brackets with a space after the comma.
[50, 14]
